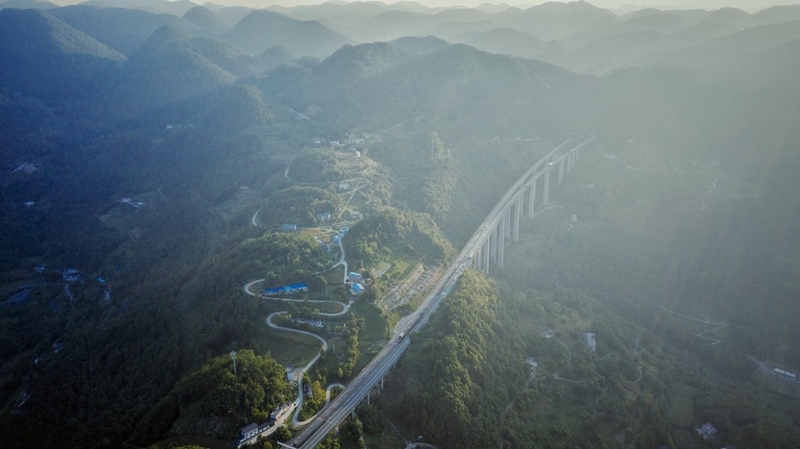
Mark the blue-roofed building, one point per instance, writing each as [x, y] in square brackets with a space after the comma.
[353, 277]
[325, 216]
[288, 227]
[357, 289]
[287, 289]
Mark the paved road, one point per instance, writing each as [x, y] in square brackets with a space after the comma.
[248, 288]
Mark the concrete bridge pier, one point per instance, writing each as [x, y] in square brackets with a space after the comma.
[501, 241]
[486, 250]
[507, 221]
[501, 258]
[561, 170]
[532, 198]
[496, 243]
[493, 246]
[517, 213]
[546, 192]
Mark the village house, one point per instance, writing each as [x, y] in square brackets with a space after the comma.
[353, 277]
[589, 340]
[707, 431]
[248, 431]
[357, 289]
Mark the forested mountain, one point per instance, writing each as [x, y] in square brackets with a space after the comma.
[260, 30]
[153, 156]
[44, 57]
[121, 29]
[176, 8]
[205, 20]
[27, 4]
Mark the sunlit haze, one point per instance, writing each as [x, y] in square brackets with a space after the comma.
[747, 5]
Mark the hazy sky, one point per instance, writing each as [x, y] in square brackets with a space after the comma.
[662, 4]
[748, 5]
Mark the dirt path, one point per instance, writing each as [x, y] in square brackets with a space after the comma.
[714, 341]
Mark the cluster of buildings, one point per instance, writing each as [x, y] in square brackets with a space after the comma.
[135, 204]
[707, 431]
[26, 167]
[276, 418]
[785, 373]
[71, 275]
[355, 280]
[316, 323]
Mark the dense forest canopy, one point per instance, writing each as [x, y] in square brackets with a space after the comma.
[153, 151]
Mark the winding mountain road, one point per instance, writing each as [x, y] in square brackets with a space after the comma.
[248, 289]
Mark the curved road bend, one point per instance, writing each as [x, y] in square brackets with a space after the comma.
[345, 308]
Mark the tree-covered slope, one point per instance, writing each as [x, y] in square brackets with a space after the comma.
[260, 30]
[206, 20]
[450, 375]
[392, 234]
[216, 400]
[120, 28]
[42, 56]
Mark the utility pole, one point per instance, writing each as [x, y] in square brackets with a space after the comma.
[233, 357]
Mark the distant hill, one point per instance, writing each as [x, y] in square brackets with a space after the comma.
[556, 20]
[233, 108]
[418, 45]
[445, 81]
[350, 65]
[461, 14]
[174, 7]
[781, 63]
[167, 70]
[781, 13]
[121, 29]
[731, 16]
[260, 30]
[390, 25]
[231, 15]
[340, 17]
[727, 47]
[492, 8]
[27, 4]
[507, 41]
[44, 57]
[206, 20]
[170, 38]
[613, 52]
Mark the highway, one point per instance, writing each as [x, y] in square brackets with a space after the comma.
[358, 388]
